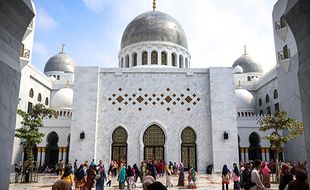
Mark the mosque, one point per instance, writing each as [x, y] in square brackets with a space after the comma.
[154, 106]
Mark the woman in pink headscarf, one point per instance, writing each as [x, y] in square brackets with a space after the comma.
[265, 171]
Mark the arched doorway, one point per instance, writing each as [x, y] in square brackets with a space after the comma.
[188, 148]
[255, 148]
[119, 144]
[154, 142]
[52, 150]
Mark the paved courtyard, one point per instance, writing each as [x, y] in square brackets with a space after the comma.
[45, 182]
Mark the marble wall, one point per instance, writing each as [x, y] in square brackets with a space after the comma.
[14, 19]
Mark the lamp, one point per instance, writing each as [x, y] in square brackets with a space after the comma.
[82, 135]
[225, 135]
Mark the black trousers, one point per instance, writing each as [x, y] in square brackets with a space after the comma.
[223, 185]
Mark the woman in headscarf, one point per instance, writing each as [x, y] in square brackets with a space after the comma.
[67, 175]
[122, 178]
[79, 178]
[137, 172]
[236, 177]
[192, 178]
[301, 181]
[285, 176]
[101, 173]
[266, 175]
[175, 168]
[181, 175]
[168, 176]
[90, 179]
[130, 178]
[225, 177]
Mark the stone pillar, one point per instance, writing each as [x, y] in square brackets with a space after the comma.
[139, 57]
[169, 57]
[159, 57]
[15, 16]
[39, 157]
[60, 153]
[246, 154]
[43, 156]
[64, 155]
[267, 155]
[242, 154]
[149, 55]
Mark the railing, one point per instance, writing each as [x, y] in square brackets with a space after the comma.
[285, 54]
[25, 53]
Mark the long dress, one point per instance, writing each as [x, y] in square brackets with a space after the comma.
[90, 180]
[192, 178]
[181, 176]
[131, 183]
[168, 177]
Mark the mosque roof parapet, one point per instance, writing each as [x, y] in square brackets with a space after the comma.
[251, 117]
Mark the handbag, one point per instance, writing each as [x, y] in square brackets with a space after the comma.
[98, 175]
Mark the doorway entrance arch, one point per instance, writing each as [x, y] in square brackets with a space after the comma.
[154, 143]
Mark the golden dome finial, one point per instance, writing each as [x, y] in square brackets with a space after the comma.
[244, 49]
[154, 5]
[62, 47]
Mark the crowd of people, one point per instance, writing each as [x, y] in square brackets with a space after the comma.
[256, 175]
[87, 176]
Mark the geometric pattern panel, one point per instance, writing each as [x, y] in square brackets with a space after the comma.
[167, 98]
[154, 136]
[188, 156]
[188, 136]
[119, 153]
[153, 152]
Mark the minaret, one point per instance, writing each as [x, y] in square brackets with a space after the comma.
[244, 49]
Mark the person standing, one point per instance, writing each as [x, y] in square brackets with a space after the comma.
[79, 178]
[236, 177]
[101, 173]
[181, 175]
[130, 178]
[301, 181]
[266, 175]
[67, 175]
[175, 168]
[285, 176]
[75, 165]
[18, 171]
[137, 172]
[122, 178]
[255, 177]
[225, 177]
[90, 180]
[246, 177]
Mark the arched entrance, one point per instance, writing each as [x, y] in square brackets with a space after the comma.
[119, 144]
[188, 148]
[255, 148]
[52, 150]
[154, 142]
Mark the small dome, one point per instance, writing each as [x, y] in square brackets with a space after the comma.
[154, 26]
[63, 99]
[245, 100]
[248, 65]
[60, 62]
[238, 69]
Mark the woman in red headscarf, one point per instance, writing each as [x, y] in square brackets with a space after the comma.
[266, 175]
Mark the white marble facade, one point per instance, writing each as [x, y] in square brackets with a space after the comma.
[173, 99]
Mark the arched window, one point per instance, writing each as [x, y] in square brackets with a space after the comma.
[134, 59]
[267, 98]
[39, 97]
[127, 61]
[46, 101]
[122, 62]
[154, 141]
[249, 78]
[275, 94]
[173, 60]
[163, 58]
[144, 58]
[181, 61]
[31, 93]
[260, 102]
[154, 58]
[58, 77]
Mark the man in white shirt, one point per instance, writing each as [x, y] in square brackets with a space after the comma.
[255, 178]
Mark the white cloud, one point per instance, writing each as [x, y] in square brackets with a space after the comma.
[44, 21]
[95, 5]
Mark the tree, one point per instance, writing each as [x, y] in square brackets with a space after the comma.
[280, 122]
[29, 132]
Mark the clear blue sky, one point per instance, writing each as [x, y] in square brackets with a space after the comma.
[216, 29]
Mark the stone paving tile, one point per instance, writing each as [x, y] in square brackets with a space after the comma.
[204, 181]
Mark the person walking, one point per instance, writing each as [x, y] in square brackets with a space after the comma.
[79, 178]
[122, 178]
[90, 179]
[301, 181]
[266, 175]
[236, 177]
[168, 177]
[137, 172]
[246, 177]
[285, 176]
[225, 177]
[255, 177]
[102, 176]
[181, 175]
[130, 178]
[67, 175]
[18, 171]
[192, 178]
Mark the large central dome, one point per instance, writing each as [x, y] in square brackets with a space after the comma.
[154, 26]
